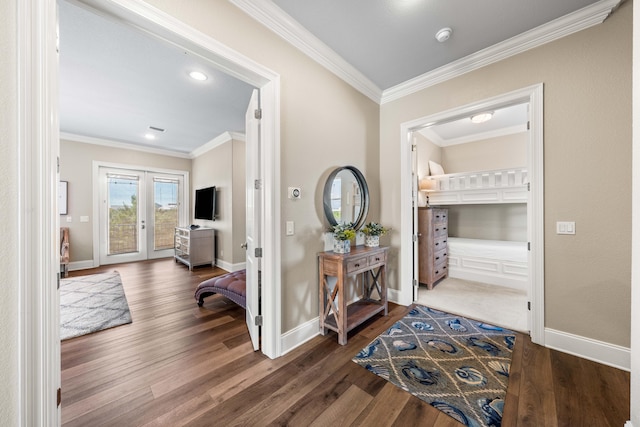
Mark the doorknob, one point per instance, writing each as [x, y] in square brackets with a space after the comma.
[244, 246]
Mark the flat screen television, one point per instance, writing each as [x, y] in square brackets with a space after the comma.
[205, 207]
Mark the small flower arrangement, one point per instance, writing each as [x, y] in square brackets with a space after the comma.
[374, 229]
[343, 231]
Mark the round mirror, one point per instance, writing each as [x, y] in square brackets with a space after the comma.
[346, 197]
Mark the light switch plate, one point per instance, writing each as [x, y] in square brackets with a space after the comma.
[290, 228]
[69, 219]
[84, 218]
[565, 227]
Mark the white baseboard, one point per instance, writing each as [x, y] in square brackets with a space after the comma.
[81, 265]
[628, 424]
[590, 349]
[393, 295]
[229, 266]
[299, 335]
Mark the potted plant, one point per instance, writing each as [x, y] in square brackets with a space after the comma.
[342, 235]
[372, 232]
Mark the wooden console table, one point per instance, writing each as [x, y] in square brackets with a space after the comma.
[335, 314]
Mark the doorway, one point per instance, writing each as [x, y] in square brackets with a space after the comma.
[535, 232]
[39, 332]
[138, 210]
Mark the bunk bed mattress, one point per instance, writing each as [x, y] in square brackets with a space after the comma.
[495, 262]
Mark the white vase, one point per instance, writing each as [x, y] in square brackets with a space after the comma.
[371, 241]
[342, 246]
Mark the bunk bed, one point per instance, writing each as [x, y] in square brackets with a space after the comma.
[494, 186]
[503, 263]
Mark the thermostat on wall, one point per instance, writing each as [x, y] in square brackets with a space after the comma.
[294, 192]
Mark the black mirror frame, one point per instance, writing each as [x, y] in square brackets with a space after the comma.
[326, 197]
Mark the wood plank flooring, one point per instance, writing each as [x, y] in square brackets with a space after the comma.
[181, 365]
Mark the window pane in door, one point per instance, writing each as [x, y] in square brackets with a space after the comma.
[123, 214]
[165, 212]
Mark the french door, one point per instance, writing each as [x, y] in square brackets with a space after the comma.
[138, 212]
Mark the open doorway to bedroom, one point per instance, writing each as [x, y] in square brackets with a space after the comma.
[483, 191]
[472, 216]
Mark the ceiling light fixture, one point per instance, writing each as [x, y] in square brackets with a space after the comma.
[149, 136]
[482, 117]
[444, 34]
[197, 75]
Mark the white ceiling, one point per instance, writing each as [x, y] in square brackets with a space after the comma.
[116, 81]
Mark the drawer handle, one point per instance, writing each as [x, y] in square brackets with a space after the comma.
[356, 265]
[444, 228]
[377, 259]
[437, 229]
[437, 258]
[437, 244]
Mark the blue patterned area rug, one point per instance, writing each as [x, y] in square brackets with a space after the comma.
[459, 366]
[92, 303]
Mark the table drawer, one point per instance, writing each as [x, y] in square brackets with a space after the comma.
[377, 259]
[357, 264]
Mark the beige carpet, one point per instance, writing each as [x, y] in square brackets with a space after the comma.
[492, 304]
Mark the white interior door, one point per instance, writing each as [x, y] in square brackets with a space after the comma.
[414, 201]
[254, 203]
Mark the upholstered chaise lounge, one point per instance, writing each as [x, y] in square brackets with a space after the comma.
[230, 285]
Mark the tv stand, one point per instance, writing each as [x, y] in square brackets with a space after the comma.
[194, 247]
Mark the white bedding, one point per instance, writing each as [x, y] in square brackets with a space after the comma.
[493, 249]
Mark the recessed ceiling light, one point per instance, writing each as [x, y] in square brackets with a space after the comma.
[197, 75]
[149, 136]
[482, 117]
[444, 34]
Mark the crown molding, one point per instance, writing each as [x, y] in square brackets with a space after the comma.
[428, 133]
[122, 145]
[215, 142]
[554, 30]
[275, 19]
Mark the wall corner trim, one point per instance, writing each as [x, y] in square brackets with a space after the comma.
[597, 351]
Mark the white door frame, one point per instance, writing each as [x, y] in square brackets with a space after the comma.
[535, 208]
[38, 136]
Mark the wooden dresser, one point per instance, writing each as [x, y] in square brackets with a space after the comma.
[433, 224]
[369, 265]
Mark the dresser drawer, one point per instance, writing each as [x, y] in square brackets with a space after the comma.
[441, 256]
[353, 265]
[439, 229]
[440, 216]
[440, 243]
[439, 270]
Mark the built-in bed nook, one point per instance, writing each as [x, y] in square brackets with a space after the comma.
[477, 249]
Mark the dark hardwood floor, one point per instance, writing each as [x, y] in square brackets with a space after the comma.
[181, 365]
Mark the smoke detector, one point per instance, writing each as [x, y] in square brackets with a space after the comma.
[444, 34]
